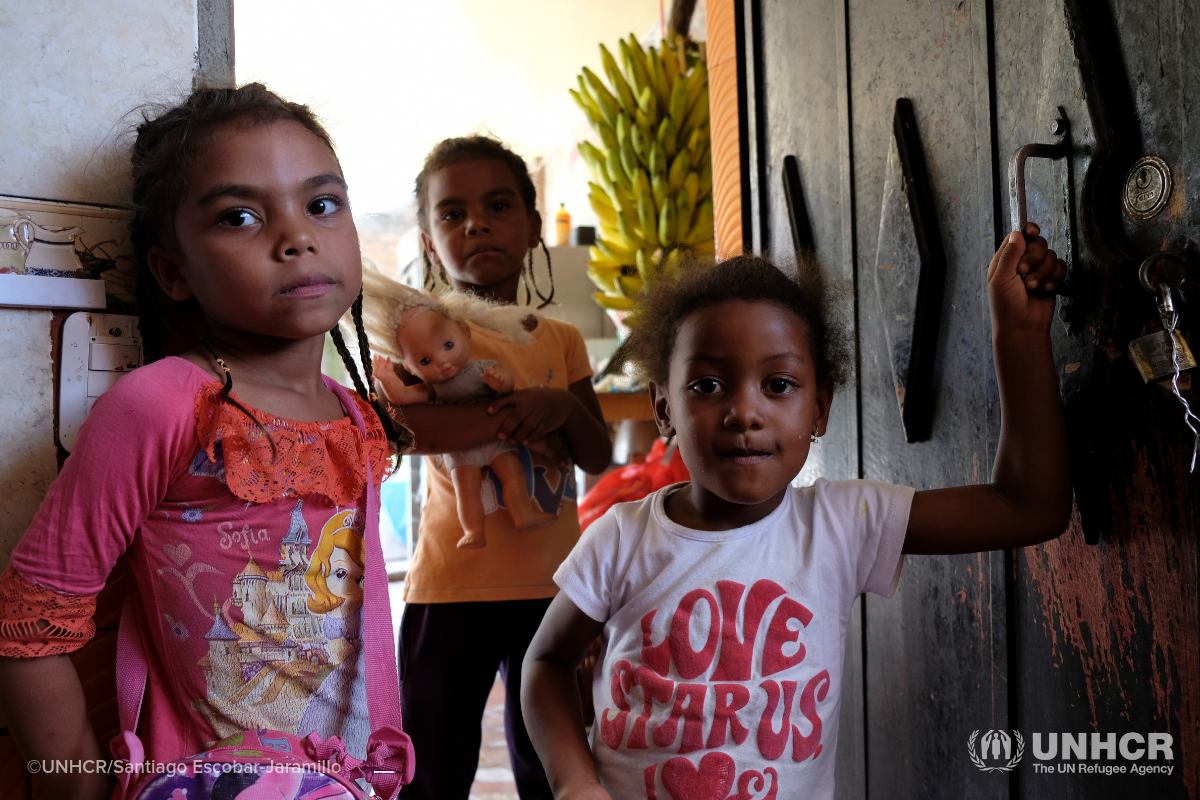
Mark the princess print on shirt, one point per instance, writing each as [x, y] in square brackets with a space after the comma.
[285, 649]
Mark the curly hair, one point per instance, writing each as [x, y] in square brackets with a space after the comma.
[670, 300]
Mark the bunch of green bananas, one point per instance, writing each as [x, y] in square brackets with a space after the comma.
[653, 173]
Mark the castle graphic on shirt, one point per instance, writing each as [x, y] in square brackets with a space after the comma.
[283, 651]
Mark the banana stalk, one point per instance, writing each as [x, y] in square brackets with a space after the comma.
[653, 172]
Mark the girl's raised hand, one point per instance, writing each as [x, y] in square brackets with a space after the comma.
[1021, 281]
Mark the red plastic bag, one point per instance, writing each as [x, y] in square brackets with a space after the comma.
[633, 482]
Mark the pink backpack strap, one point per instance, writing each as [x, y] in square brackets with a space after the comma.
[390, 762]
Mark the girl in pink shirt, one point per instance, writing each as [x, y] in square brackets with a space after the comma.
[241, 515]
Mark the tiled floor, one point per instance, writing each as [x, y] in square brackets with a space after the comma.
[493, 778]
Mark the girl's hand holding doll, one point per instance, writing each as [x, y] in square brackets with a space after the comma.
[537, 412]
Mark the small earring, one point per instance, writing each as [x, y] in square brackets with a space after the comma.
[813, 438]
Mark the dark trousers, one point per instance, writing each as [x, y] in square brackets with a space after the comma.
[449, 654]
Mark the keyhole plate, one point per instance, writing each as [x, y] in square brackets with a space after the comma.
[1147, 188]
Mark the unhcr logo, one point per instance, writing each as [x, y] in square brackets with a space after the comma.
[997, 752]
[1001, 751]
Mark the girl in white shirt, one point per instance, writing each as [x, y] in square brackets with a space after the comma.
[723, 602]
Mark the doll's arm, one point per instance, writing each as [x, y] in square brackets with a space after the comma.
[499, 379]
[550, 700]
[394, 389]
[42, 702]
[1029, 498]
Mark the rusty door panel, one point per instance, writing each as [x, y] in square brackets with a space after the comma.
[1105, 637]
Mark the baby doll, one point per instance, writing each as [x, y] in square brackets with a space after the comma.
[429, 335]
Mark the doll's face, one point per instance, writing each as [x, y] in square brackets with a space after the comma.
[435, 348]
[344, 579]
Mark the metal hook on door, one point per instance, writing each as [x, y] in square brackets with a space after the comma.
[1016, 168]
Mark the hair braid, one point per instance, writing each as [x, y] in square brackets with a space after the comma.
[527, 276]
[427, 282]
[335, 333]
[549, 271]
[397, 434]
[226, 395]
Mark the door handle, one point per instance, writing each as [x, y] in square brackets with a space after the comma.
[1016, 168]
[793, 193]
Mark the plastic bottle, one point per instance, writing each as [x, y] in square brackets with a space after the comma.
[562, 225]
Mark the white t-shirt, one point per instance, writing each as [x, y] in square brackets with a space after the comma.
[721, 667]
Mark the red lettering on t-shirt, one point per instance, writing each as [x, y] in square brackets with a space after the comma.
[731, 698]
[737, 654]
[747, 792]
[688, 662]
[657, 657]
[648, 776]
[654, 689]
[816, 689]
[689, 706]
[771, 743]
[779, 634]
[612, 731]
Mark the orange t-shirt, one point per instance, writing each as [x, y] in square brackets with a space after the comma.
[513, 566]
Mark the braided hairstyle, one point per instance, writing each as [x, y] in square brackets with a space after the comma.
[169, 139]
[449, 152]
[397, 434]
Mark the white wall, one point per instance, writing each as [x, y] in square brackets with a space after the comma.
[73, 73]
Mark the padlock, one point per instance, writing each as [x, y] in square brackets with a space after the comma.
[1166, 354]
[1155, 359]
